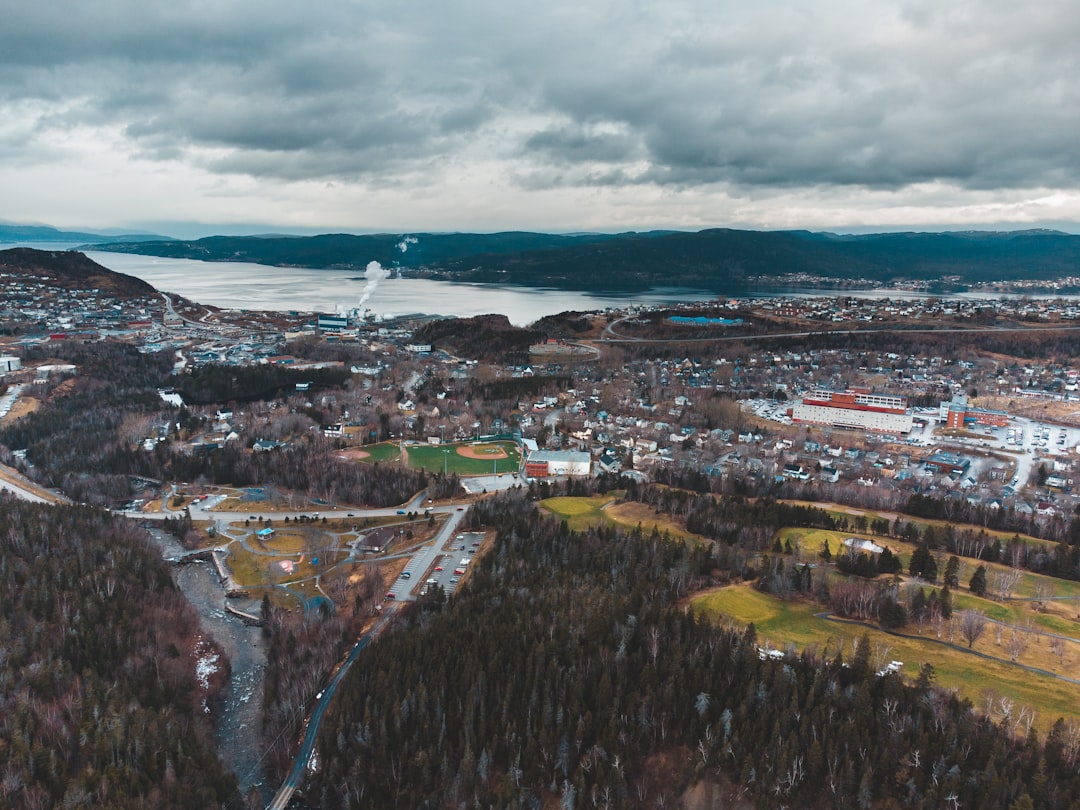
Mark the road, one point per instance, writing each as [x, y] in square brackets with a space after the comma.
[202, 512]
[307, 747]
[424, 560]
[14, 482]
[611, 336]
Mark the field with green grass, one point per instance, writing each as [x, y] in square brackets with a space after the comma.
[436, 458]
[579, 513]
[809, 543]
[384, 451]
[781, 623]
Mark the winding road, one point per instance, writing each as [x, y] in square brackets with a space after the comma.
[311, 733]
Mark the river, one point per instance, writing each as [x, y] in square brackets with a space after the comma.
[243, 285]
[238, 737]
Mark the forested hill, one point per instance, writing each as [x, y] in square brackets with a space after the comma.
[567, 673]
[721, 260]
[69, 270]
[100, 703]
[340, 250]
[13, 232]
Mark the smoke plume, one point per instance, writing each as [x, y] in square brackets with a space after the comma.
[374, 273]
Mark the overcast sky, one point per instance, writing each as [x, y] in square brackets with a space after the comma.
[567, 116]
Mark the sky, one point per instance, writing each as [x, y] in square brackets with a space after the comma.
[227, 116]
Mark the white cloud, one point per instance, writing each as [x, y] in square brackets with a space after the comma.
[484, 115]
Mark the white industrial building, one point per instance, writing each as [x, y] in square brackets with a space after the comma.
[854, 409]
[544, 463]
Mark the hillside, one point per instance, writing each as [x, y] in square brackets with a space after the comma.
[566, 673]
[70, 270]
[721, 260]
[14, 232]
[348, 250]
[101, 704]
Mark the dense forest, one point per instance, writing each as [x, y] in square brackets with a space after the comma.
[568, 674]
[101, 705]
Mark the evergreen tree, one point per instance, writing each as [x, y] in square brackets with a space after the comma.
[945, 602]
[977, 585]
[952, 572]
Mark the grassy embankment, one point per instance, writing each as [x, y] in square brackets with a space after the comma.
[796, 623]
[581, 513]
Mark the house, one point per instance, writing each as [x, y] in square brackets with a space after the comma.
[609, 462]
[829, 475]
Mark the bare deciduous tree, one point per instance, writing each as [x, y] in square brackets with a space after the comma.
[972, 625]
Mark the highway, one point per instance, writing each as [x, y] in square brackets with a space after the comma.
[307, 747]
[13, 482]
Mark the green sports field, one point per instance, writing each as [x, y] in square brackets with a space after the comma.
[490, 461]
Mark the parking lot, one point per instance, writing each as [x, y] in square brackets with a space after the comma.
[443, 565]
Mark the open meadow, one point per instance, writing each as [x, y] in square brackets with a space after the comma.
[979, 674]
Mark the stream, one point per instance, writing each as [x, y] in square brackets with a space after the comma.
[237, 720]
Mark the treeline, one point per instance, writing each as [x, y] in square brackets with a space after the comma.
[303, 649]
[213, 384]
[112, 405]
[916, 505]
[752, 524]
[99, 700]
[309, 466]
[487, 338]
[564, 674]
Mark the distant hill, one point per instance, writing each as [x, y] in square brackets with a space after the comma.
[721, 260]
[340, 250]
[10, 232]
[71, 270]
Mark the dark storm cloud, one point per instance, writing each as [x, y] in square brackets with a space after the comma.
[882, 95]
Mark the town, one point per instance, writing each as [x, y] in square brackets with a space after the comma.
[991, 431]
[317, 481]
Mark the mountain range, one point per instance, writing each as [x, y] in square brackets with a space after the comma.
[719, 260]
[14, 232]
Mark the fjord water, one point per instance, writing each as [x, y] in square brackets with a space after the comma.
[243, 285]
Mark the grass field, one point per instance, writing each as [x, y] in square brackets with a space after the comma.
[782, 623]
[581, 513]
[921, 523]
[433, 458]
[384, 451]
[809, 543]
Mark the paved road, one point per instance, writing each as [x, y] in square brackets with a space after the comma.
[12, 481]
[201, 512]
[307, 747]
[611, 336]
